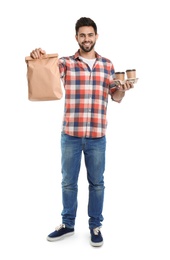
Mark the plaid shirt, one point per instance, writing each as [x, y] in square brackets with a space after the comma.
[86, 95]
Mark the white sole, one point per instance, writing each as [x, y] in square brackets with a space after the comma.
[59, 238]
[96, 244]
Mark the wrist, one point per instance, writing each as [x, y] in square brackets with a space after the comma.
[118, 95]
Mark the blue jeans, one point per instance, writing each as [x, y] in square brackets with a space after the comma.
[94, 154]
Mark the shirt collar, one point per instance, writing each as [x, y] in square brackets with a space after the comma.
[77, 55]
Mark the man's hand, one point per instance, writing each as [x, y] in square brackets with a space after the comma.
[120, 92]
[126, 86]
[37, 53]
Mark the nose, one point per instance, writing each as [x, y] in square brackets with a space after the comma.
[86, 38]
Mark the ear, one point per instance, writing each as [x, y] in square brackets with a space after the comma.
[76, 38]
[97, 36]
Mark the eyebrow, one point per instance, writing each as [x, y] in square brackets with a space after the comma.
[83, 34]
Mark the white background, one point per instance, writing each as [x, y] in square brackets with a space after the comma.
[133, 34]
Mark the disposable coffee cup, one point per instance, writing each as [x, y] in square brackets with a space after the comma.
[131, 74]
[120, 76]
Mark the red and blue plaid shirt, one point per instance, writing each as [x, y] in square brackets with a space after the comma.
[86, 95]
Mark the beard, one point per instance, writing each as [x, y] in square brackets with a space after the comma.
[87, 48]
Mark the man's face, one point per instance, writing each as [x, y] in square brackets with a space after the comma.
[86, 38]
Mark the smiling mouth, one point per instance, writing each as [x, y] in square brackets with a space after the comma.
[86, 43]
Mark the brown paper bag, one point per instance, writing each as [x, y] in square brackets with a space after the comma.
[43, 78]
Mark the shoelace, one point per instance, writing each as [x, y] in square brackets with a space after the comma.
[60, 227]
[96, 231]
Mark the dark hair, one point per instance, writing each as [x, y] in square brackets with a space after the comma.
[85, 21]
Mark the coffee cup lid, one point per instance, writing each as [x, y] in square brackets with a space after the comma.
[130, 70]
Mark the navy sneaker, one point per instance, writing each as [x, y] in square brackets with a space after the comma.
[96, 237]
[60, 232]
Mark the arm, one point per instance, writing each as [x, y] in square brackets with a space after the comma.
[39, 53]
[119, 94]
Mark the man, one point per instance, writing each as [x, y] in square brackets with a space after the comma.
[88, 79]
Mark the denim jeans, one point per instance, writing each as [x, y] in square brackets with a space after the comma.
[94, 155]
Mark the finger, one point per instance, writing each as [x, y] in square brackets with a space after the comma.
[34, 54]
[41, 51]
[131, 85]
[37, 53]
[126, 86]
[121, 88]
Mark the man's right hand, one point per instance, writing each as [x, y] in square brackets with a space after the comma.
[37, 53]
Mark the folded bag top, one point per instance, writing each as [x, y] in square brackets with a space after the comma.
[43, 78]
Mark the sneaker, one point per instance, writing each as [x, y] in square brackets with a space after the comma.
[60, 232]
[96, 237]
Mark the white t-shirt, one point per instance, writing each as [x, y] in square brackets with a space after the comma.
[90, 62]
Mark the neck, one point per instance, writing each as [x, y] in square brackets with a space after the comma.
[87, 55]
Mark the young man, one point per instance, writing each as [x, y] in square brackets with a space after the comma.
[88, 79]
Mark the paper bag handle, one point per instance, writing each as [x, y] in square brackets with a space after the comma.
[45, 56]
